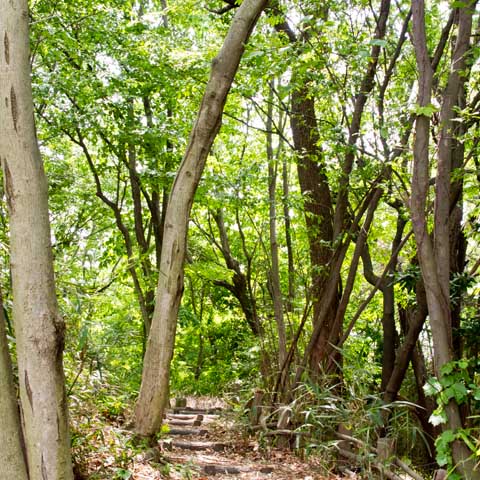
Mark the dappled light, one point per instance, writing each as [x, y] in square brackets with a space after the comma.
[239, 239]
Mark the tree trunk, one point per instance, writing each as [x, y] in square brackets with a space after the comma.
[427, 404]
[288, 236]
[156, 373]
[39, 328]
[239, 286]
[386, 286]
[414, 320]
[275, 267]
[317, 198]
[324, 224]
[12, 458]
[434, 256]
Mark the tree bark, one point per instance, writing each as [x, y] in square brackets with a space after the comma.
[155, 379]
[12, 458]
[434, 256]
[275, 267]
[415, 319]
[288, 237]
[39, 328]
[386, 286]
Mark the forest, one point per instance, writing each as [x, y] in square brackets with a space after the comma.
[268, 206]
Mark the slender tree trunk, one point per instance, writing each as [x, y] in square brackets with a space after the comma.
[414, 320]
[427, 404]
[434, 257]
[288, 236]
[458, 243]
[12, 458]
[275, 268]
[39, 328]
[239, 286]
[387, 288]
[156, 372]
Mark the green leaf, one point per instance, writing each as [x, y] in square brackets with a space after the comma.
[379, 42]
[427, 110]
[122, 474]
[432, 387]
[442, 459]
[442, 444]
[460, 392]
[464, 435]
[463, 364]
[447, 368]
[476, 393]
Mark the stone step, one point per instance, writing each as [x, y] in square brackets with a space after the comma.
[215, 469]
[187, 431]
[194, 446]
[182, 417]
[196, 411]
[184, 423]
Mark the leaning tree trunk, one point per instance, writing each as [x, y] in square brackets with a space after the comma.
[12, 458]
[39, 328]
[156, 372]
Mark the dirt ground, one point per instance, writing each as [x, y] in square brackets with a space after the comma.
[225, 451]
[202, 441]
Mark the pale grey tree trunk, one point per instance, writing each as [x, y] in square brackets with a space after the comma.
[12, 459]
[38, 327]
[156, 371]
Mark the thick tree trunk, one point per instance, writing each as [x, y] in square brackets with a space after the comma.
[324, 225]
[318, 207]
[156, 373]
[317, 198]
[39, 328]
[12, 458]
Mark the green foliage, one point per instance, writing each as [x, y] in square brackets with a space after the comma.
[427, 110]
[211, 356]
[458, 383]
[95, 68]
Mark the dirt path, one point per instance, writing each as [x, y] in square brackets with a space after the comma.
[203, 444]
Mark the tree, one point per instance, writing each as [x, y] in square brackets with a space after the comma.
[434, 255]
[12, 457]
[327, 88]
[155, 378]
[39, 328]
